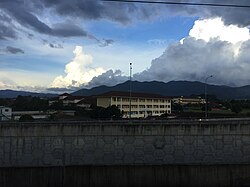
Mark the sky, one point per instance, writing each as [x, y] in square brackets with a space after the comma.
[60, 45]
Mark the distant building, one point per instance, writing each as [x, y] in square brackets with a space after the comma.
[142, 104]
[70, 100]
[186, 100]
[63, 96]
[35, 114]
[5, 113]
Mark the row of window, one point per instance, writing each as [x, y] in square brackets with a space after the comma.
[143, 112]
[140, 100]
[144, 106]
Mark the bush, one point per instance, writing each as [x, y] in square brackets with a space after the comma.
[26, 118]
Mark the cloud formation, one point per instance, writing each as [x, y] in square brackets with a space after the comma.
[78, 72]
[108, 78]
[29, 14]
[203, 53]
[13, 50]
[211, 48]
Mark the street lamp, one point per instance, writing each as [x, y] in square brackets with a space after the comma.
[130, 87]
[206, 94]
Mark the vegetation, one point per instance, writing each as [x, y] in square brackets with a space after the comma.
[26, 118]
[216, 108]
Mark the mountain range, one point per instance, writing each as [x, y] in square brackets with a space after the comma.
[172, 88]
[14, 94]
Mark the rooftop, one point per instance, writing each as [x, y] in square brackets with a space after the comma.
[133, 94]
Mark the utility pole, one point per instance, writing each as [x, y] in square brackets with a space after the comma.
[206, 94]
[130, 87]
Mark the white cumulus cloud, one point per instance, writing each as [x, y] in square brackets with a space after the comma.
[216, 29]
[78, 71]
[211, 48]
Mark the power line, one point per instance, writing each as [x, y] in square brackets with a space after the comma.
[180, 3]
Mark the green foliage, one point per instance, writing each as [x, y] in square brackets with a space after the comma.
[236, 107]
[177, 108]
[57, 105]
[209, 108]
[111, 112]
[27, 103]
[26, 118]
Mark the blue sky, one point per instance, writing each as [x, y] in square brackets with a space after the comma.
[61, 44]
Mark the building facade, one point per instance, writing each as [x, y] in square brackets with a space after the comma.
[185, 100]
[142, 105]
[5, 113]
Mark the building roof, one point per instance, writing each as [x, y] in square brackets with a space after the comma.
[65, 94]
[86, 100]
[133, 95]
[72, 98]
[4, 107]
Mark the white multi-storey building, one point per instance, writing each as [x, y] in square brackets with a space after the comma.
[141, 104]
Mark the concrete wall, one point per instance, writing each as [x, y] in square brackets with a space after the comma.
[125, 143]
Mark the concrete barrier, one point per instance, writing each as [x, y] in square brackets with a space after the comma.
[190, 142]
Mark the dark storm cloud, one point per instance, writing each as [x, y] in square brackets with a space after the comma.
[52, 44]
[26, 18]
[27, 13]
[13, 50]
[89, 9]
[7, 33]
[58, 46]
[67, 30]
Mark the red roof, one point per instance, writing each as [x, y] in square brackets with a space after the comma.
[133, 94]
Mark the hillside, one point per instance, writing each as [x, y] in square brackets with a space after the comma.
[173, 88]
[14, 94]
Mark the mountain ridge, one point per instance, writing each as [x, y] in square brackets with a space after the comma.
[14, 93]
[172, 88]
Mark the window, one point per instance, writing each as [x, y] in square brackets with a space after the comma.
[149, 106]
[113, 98]
[142, 106]
[134, 112]
[156, 106]
[133, 100]
[162, 106]
[142, 100]
[118, 99]
[149, 100]
[125, 99]
[6, 110]
[156, 100]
